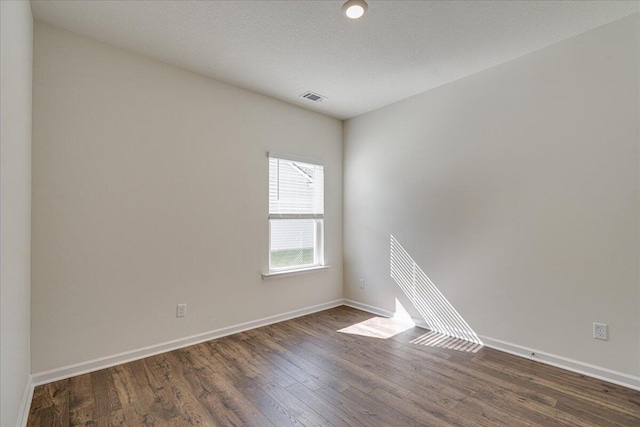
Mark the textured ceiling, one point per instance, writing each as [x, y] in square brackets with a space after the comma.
[284, 48]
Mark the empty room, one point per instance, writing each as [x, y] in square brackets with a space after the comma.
[320, 213]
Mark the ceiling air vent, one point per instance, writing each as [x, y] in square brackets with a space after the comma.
[311, 96]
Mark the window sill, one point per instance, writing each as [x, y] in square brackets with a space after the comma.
[276, 274]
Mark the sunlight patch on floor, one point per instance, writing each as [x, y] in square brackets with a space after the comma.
[436, 339]
[378, 327]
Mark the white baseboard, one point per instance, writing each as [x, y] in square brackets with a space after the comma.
[117, 359]
[583, 368]
[25, 406]
[368, 308]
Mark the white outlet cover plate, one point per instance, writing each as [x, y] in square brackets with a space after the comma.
[181, 310]
[600, 331]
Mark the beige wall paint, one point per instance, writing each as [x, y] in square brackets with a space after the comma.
[16, 53]
[516, 190]
[149, 190]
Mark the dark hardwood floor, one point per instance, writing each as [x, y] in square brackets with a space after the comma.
[304, 372]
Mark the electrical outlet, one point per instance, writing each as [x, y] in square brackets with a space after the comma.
[600, 331]
[361, 283]
[182, 310]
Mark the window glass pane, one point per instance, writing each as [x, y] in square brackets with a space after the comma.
[292, 242]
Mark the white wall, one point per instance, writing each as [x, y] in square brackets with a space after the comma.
[16, 52]
[150, 188]
[516, 190]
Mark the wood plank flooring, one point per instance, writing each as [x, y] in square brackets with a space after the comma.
[304, 372]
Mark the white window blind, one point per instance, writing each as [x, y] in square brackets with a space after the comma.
[296, 189]
[296, 213]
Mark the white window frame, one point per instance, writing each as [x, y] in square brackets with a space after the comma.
[318, 243]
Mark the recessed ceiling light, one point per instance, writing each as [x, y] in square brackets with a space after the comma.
[354, 9]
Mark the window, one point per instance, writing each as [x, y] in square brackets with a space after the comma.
[296, 214]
